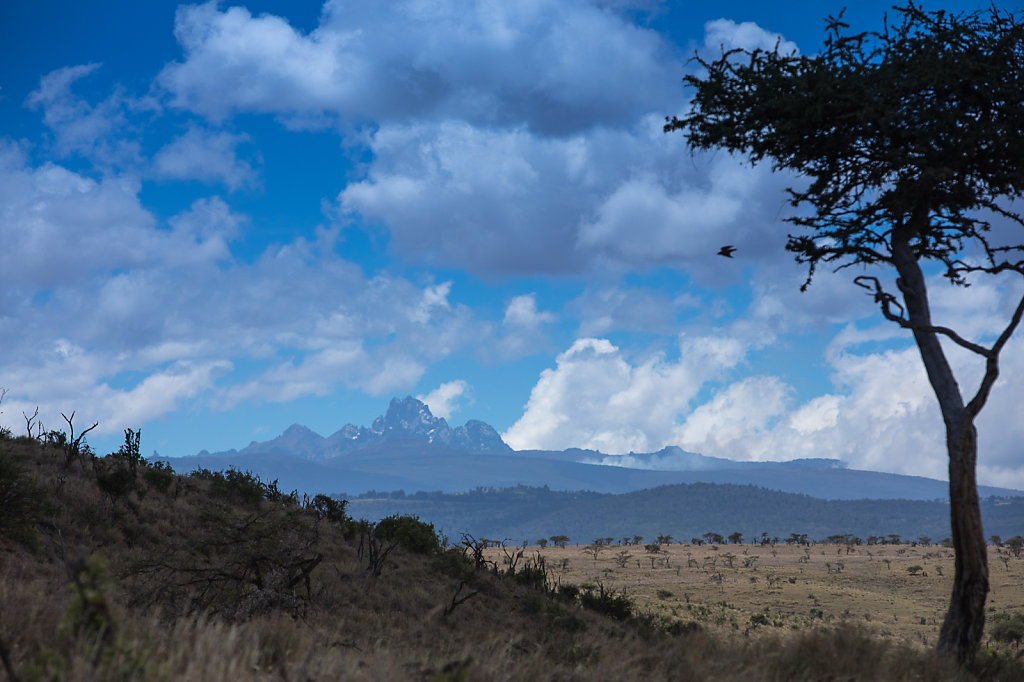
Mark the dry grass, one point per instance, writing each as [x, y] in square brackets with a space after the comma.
[79, 607]
[758, 589]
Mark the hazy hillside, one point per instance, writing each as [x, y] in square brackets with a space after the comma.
[683, 511]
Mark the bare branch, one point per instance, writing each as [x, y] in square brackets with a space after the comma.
[886, 301]
[992, 366]
[29, 421]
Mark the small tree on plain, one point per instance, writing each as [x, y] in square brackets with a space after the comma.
[559, 540]
[910, 141]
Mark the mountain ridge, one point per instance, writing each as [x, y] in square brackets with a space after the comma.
[409, 449]
[407, 418]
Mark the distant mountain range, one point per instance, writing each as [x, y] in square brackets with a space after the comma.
[409, 449]
[408, 419]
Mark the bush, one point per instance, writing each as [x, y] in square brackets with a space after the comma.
[1006, 628]
[607, 602]
[242, 486]
[329, 508]
[409, 532]
[159, 475]
[21, 501]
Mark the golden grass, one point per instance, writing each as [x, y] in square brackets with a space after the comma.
[789, 587]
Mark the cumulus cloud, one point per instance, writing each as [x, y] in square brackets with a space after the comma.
[596, 398]
[506, 201]
[501, 141]
[59, 226]
[613, 308]
[445, 399]
[206, 156]
[722, 35]
[147, 315]
[489, 64]
[94, 131]
[523, 327]
[881, 413]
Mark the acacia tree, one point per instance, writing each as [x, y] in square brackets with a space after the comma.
[910, 143]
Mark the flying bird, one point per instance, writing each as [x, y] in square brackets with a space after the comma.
[726, 251]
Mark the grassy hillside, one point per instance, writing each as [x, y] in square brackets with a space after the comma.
[115, 569]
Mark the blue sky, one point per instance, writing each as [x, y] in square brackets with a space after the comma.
[217, 220]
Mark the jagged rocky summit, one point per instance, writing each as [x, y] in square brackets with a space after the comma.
[408, 419]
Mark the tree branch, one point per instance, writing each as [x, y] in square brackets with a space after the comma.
[992, 365]
[886, 301]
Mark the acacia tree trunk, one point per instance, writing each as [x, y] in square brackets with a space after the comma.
[965, 620]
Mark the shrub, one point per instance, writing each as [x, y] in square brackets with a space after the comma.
[21, 501]
[242, 486]
[607, 602]
[329, 508]
[159, 475]
[409, 532]
[1006, 628]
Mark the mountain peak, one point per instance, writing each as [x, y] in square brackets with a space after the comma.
[409, 417]
[406, 418]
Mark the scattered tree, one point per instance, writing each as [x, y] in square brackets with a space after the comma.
[713, 538]
[910, 140]
[559, 540]
[1016, 545]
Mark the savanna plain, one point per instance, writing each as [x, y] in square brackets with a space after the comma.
[897, 592]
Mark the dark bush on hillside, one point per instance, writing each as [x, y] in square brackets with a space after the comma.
[608, 602]
[329, 509]
[235, 563]
[240, 486]
[409, 532]
[159, 475]
[22, 502]
[1006, 628]
[114, 478]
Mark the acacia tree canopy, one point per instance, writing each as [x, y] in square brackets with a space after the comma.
[911, 142]
[919, 123]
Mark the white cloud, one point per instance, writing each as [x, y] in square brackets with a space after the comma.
[489, 63]
[59, 227]
[523, 327]
[150, 316]
[880, 415]
[95, 132]
[206, 156]
[595, 398]
[725, 34]
[444, 400]
[506, 201]
[521, 312]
